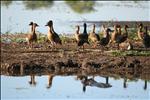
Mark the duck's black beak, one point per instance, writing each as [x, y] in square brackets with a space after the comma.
[37, 25]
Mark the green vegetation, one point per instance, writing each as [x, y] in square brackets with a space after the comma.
[37, 4]
[130, 53]
[81, 6]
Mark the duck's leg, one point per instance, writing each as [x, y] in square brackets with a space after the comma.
[118, 46]
[83, 46]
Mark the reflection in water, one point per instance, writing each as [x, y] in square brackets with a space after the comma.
[16, 88]
[6, 3]
[91, 82]
[38, 4]
[85, 81]
[32, 80]
[125, 83]
[81, 6]
[50, 79]
[145, 84]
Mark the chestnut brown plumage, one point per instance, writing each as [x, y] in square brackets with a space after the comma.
[32, 37]
[94, 37]
[52, 36]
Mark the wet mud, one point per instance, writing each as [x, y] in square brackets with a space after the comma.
[18, 59]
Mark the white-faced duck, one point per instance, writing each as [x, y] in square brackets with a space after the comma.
[32, 37]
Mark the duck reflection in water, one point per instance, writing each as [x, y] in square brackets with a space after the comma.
[91, 82]
[145, 85]
[32, 81]
[50, 79]
[125, 83]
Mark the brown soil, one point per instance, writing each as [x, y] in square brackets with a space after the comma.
[18, 59]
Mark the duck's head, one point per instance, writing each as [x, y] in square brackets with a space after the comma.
[126, 26]
[109, 30]
[77, 26]
[94, 25]
[31, 23]
[116, 26]
[35, 25]
[49, 23]
[140, 25]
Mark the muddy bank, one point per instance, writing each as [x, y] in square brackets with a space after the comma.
[69, 62]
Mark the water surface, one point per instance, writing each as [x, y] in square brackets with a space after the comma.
[68, 87]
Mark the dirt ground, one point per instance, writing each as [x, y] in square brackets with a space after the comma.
[19, 59]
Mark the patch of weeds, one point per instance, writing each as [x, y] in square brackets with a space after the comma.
[130, 53]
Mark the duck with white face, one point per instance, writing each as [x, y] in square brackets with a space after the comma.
[32, 37]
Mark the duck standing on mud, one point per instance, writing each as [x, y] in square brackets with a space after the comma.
[52, 36]
[94, 37]
[83, 38]
[106, 37]
[146, 38]
[122, 37]
[32, 37]
[77, 34]
[114, 34]
[140, 32]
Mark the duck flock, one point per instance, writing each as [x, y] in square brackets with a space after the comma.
[108, 36]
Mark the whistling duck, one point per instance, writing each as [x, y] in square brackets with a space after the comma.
[32, 37]
[93, 36]
[52, 36]
[106, 37]
[83, 38]
[146, 38]
[77, 34]
[114, 34]
[140, 31]
[122, 37]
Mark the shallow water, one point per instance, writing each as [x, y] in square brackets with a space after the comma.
[15, 18]
[68, 87]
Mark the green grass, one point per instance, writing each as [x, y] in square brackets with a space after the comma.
[130, 53]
